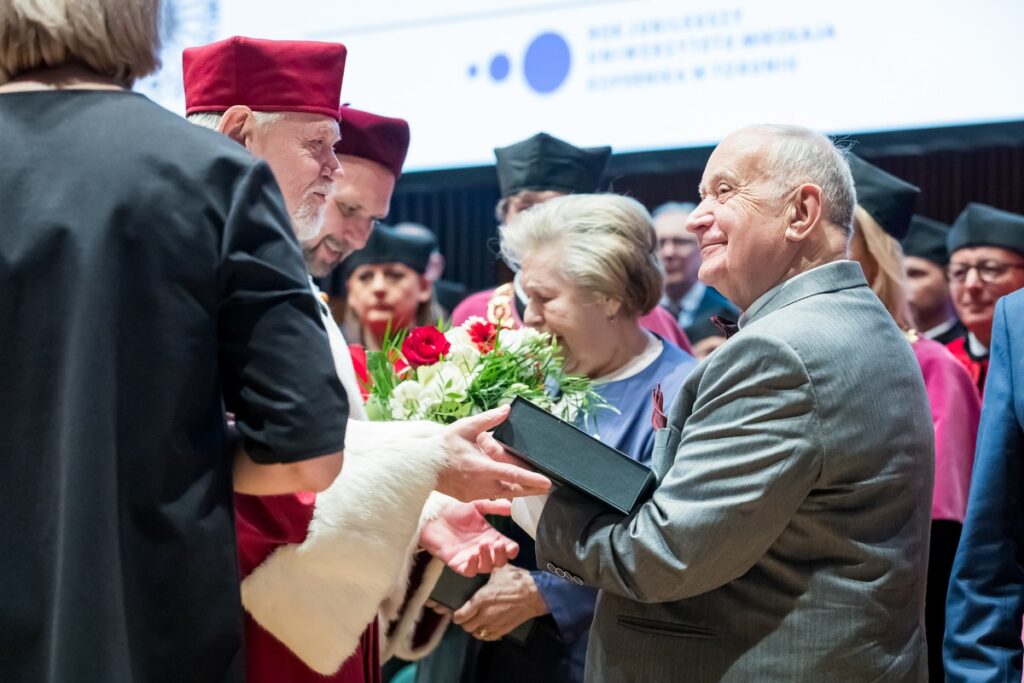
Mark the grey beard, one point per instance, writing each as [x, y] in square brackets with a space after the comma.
[308, 221]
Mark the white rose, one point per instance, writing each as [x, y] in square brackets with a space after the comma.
[410, 400]
[447, 382]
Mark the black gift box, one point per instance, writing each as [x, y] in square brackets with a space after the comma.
[453, 590]
[570, 456]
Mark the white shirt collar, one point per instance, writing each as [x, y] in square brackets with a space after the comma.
[977, 349]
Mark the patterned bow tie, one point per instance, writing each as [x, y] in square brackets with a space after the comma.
[728, 327]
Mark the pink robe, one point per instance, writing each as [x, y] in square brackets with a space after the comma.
[956, 408]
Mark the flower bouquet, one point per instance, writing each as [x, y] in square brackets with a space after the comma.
[443, 375]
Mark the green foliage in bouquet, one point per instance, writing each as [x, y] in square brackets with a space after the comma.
[441, 376]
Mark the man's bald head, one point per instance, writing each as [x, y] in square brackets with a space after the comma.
[775, 202]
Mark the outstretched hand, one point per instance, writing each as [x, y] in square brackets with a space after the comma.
[465, 541]
[479, 468]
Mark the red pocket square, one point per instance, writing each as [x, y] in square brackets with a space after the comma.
[658, 419]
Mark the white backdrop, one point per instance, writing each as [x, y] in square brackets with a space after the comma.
[470, 75]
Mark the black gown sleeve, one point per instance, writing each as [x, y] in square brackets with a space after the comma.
[275, 358]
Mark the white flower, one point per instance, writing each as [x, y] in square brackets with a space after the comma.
[463, 355]
[567, 407]
[470, 321]
[458, 336]
[447, 381]
[410, 400]
[514, 340]
[510, 340]
[530, 334]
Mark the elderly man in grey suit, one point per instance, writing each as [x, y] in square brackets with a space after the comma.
[788, 536]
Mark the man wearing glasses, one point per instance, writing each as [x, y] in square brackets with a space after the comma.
[986, 247]
[689, 300]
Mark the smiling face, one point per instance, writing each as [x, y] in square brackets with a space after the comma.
[300, 151]
[360, 199]
[740, 223]
[578, 319]
[975, 300]
[386, 294]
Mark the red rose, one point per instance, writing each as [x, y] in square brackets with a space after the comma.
[424, 346]
[483, 333]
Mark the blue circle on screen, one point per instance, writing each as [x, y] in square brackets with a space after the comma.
[500, 66]
[547, 62]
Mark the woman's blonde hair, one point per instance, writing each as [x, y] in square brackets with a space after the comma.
[606, 245]
[119, 39]
[883, 260]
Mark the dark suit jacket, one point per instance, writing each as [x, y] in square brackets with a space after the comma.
[986, 593]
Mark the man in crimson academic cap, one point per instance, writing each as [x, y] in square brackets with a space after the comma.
[316, 592]
[530, 172]
[986, 248]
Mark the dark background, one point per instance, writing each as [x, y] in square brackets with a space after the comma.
[952, 166]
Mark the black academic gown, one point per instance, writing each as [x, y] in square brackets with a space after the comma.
[150, 279]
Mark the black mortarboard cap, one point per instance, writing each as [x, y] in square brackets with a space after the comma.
[980, 225]
[927, 239]
[544, 162]
[889, 200]
[387, 245]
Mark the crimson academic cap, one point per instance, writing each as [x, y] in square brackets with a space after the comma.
[370, 136]
[264, 75]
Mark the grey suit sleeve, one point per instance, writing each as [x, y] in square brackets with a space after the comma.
[748, 456]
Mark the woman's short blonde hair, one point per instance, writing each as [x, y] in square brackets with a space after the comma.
[883, 258]
[606, 244]
[119, 39]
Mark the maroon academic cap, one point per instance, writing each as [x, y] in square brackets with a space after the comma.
[264, 75]
[378, 138]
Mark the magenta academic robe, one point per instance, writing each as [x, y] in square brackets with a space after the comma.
[956, 408]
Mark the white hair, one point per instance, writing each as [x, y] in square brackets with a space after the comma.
[212, 119]
[606, 244]
[119, 39]
[307, 220]
[799, 155]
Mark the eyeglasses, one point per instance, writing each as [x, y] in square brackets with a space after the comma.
[988, 271]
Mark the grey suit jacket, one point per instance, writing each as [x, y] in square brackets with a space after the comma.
[787, 539]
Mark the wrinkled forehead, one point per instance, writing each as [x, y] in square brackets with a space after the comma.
[744, 155]
[307, 125]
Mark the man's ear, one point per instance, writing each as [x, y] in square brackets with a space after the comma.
[806, 212]
[238, 123]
